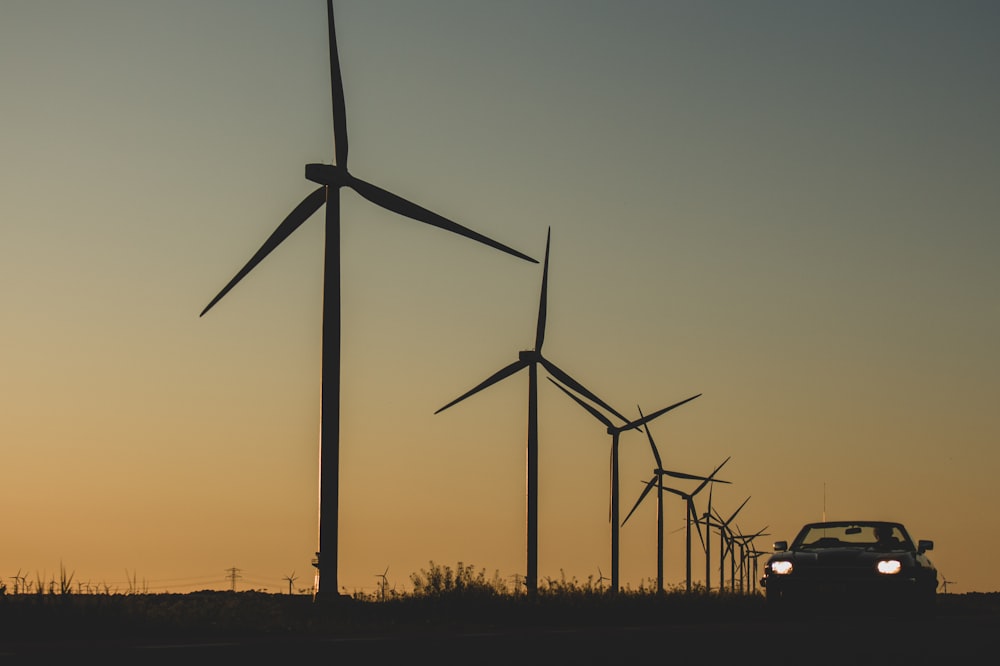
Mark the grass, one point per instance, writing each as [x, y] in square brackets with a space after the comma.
[444, 599]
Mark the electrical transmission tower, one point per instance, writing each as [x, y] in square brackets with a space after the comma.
[233, 574]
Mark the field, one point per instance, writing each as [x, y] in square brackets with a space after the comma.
[568, 627]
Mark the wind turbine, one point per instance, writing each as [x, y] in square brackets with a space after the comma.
[692, 516]
[744, 541]
[291, 579]
[657, 480]
[601, 578]
[755, 554]
[707, 542]
[531, 359]
[331, 179]
[615, 432]
[382, 583]
[726, 540]
[20, 582]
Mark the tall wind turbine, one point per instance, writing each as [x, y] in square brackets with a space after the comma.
[331, 179]
[615, 432]
[531, 359]
[657, 481]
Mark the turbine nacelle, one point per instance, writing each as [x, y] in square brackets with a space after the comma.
[330, 175]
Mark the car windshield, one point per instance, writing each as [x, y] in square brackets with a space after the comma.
[852, 535]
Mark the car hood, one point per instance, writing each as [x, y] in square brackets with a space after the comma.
[842, 556]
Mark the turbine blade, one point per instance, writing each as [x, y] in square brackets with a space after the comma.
[720, 465]
[590, 408]
[307, 207]
[697, 523]
[652, 444]
[579, 388]
[646, 419]
[542, 301]
[737, 511]
[645, 491]
[679, 493]
[711, 477]
[337, 91]
[684, 475]
[398, 204]
[704, 483]
[489, 381]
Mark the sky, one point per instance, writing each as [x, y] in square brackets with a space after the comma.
[788, 207]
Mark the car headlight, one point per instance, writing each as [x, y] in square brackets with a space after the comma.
[889, 566]
[781, 567]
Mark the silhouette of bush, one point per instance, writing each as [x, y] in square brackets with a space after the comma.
[462, 582]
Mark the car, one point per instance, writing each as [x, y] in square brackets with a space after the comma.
[864, 564]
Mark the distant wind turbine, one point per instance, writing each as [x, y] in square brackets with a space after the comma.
[657, 481]
[20, 582]
[754, 554]
[726, 540]
[291, 579]
[531, 359]
[382, 583]
[601, 578]
[331, 179]
[615, 432]
[707, 517]
[744, 542]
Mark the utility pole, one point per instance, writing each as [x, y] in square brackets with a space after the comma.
[234, 573]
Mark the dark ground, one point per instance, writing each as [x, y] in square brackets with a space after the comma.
[964, 628]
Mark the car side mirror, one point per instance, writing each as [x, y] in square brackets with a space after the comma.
[781, 546]
[924, 545]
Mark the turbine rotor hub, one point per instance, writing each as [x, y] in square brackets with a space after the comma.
[327, 174]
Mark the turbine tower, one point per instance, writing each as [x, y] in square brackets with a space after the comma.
[331, 179]
[726, 540]
[615, 432]
[657, 482]
[531, 359]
